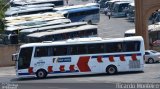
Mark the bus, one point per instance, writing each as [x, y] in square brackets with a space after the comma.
[36, 2]
[32, 16]
[119, 9]
[23, 33]
[31, 6]
[36, 24]
[27, 11]
[63, 34]
[75, 6]
[90, 14]
[130, 32]
[80, 56]
[131, 12]
[109, 5]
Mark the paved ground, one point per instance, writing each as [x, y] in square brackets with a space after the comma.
[151, 74]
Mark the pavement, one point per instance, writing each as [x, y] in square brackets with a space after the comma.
[7, 71]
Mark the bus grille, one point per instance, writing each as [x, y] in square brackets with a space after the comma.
[134, 64]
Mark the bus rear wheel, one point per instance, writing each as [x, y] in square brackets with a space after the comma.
[111, 70]
[41, 74]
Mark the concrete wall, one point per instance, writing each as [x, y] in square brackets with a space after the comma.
[6, 52]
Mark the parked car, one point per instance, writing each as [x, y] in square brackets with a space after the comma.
[152, 56]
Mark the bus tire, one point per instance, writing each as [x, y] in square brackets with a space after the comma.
[111, 70]
[41, 73]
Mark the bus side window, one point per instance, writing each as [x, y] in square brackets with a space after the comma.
[113, 47]
[60, 50]
[95, 48]
[73, 50]
[82, 49]
[132, 46]
[41, 52]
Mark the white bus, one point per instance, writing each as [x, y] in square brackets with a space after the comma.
[130, 32]
[36, 2]
[23, 33]
[88, 13]
[36, 24]
[119, 9]
[16, 19]
[63, 34]
[80, 56]
[131, 12]
[26, 11]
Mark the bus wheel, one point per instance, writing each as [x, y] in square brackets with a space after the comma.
[41, 73]
[111, 70]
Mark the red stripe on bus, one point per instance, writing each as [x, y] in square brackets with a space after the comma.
[122, 58]
[99, 59]
[71, 68]
[111, 58]
[50, 69]
[61, 68]
[83, 64]
[30, 70]
[134, 57]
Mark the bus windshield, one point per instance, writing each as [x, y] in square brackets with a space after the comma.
[25, 57]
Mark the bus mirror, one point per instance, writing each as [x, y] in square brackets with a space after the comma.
[14, 57]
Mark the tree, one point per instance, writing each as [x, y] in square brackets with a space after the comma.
[4, 4]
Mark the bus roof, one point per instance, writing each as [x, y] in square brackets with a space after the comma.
[122, 2]
[75, 6]
[20, 22]
[132, 4]
[33, 24]
[67, 7]
[30, 6]
[113, 1]
[73, 29]
[33, 16]
[78, 9]
[28, 2]
[24, 10]
[153, 27]
[83, 41]
[130, 31]
[54, 27]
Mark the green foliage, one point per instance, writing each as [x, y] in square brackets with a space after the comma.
[3, 7]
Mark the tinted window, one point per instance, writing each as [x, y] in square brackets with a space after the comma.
[25, 58]
[113, 47]
[73, 50]
[131, 46]
[77, 49]
[82, 49]
[41, 52]
[95, 48]
[60, 50]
